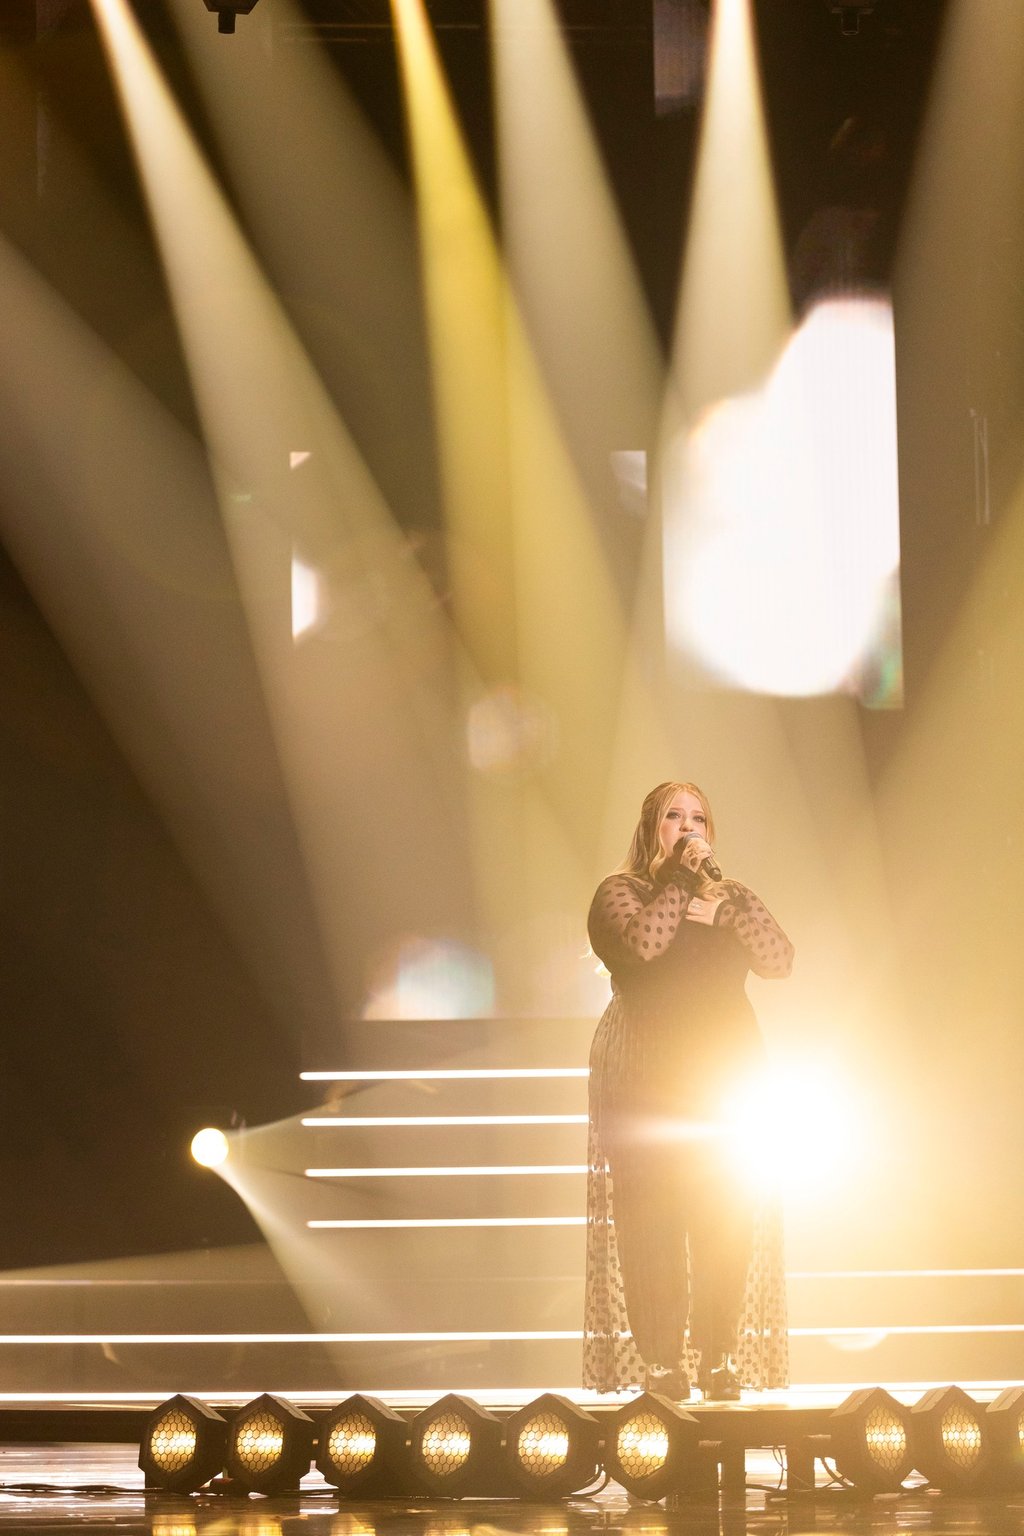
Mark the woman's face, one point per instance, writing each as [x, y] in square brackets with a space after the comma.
[684, 814]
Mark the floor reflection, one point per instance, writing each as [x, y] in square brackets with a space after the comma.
[91, 1488]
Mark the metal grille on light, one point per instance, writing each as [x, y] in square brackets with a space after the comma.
[651, 1447]
[948, 1438]
[182, 1445]
[270, 1445]
[870, 1435]
[885, 1439]
[552, 1447]
[362, 1448]
[456, 1447]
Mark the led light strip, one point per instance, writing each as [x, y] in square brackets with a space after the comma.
[395, 1120]
[289, 1338]
[455, 1221]
[438, 1337]
[902, 1274]
[454, 1074]
[450, 1172]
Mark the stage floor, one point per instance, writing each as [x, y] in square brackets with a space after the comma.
[66, 1488]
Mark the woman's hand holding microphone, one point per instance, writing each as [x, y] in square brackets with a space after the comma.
[700, 875]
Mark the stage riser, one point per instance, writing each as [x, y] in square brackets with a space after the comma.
[446, 1295]
[336, 1369]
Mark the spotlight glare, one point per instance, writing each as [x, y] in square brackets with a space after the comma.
[210, 1147]
[949, 1439]
[552, 1447]
[362, 1448]
[651, 1448]
[182, 1445]
[270, 1445]
[871, 1440]
[456, 1448]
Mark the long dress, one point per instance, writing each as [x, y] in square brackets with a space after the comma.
[677, 1251]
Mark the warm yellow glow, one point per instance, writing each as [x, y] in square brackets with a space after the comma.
[961, 1437]
[885, 1438]
[782, 516]
[446, 1445]
[449, 1171]
[734, 309]
[210, 1147]
[454, 1221]
[534, 600]
[642, 1445]
[450, 1074]
[795, 1130]
[352, 1444]
[259, 396]
[542, 1448]
[340, 1120]
[466, 311]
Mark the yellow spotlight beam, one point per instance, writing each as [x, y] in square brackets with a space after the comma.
[734, 305]
[513, 490]
[355, 739]
[466, 315]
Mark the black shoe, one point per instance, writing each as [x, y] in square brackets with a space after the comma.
[722, 1384]
[669, 1383]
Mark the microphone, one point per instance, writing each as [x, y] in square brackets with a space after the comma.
[707, 867]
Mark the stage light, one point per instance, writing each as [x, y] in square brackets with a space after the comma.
[183, 1445]
[456, 1448]
[870, 1435]
[210, 1147]
[363, 1448]
[1004, 1428]
[651, 1447]
[849, 13]
[270, 1445]
[552, 1447]
[948, 1439]
[227, 10]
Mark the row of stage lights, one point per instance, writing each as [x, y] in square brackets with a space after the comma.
[552, 1448]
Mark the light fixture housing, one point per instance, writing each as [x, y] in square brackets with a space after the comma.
[949, 1439]
[871, 1440]
[270, 1445]
[651, 1448]
[1004, 1424]
[849, 13]
[552, 1447]
[456, 1449]
[183, 1445]
[227, 10]
[363, 1449]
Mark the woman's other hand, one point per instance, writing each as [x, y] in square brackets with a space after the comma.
[702, 909]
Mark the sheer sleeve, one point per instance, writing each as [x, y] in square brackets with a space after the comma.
[770, 953]
[629, 923]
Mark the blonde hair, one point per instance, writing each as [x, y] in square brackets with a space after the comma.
[646, 854]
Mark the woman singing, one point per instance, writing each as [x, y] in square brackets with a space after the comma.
[684, 1274]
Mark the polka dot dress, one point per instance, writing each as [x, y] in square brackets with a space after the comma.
[676, 986]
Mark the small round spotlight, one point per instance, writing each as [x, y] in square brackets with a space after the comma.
[949, 1435]
[552, 1447]
[870, 1434]
[363, 1448]
[183, 1445]
[270, 1445]
[651, 1447]
[210, 1147]
[456, 1449]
